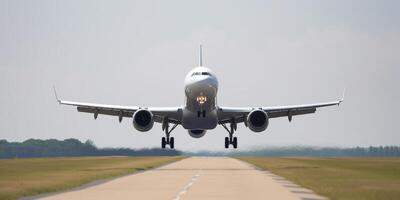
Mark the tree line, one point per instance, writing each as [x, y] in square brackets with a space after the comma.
[326, 151]
[308, 151]
[71, 147]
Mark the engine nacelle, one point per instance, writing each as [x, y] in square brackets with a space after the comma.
[257, 120]
[143, 120]
[197, 133]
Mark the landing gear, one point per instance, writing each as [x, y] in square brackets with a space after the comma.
[167, 140]
[234, 142]
[230, 140]
[171, 142]
[163, 142]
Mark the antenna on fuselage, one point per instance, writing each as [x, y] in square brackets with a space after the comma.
[200, 56]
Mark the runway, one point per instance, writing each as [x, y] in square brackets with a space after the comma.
[195, 178]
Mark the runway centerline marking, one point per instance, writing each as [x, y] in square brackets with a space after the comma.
[186, 188]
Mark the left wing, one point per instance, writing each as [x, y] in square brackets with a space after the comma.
[239, 114]
[172, 114]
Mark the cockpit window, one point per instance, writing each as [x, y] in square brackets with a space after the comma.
[201, 73]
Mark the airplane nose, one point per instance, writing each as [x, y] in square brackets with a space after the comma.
[207, 81]
[202, 87]
[207, 86]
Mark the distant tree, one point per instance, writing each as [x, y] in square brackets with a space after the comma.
[70, 147]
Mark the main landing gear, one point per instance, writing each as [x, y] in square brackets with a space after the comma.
[167, 140]
[230, 140]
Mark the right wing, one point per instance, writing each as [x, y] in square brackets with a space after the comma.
[173, 114]
[283, 111]
[239, 114]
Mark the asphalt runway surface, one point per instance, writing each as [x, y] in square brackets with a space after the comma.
[195, 178]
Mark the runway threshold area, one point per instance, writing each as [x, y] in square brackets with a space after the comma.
[196, 178]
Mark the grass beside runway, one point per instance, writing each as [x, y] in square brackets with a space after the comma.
[338, 178]
[26, 177]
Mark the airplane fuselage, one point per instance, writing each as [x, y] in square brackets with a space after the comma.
[200, 112]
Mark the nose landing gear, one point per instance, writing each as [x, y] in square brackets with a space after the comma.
[230, 140]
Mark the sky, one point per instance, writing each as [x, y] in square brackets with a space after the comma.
[264, 53]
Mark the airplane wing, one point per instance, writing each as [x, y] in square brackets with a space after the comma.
[160, 113]
[239, 114]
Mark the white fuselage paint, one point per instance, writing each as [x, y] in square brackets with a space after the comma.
[200, 112]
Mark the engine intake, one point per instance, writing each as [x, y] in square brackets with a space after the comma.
[143, 120]
[257, 120]
[197, 133]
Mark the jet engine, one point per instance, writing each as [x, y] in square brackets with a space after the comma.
[257, 120]
[197, 133]
[143, 120]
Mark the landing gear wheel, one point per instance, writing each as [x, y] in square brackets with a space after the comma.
[171, 142]
[234, 143]
[167, 140]
[163, 142]
[230, 140]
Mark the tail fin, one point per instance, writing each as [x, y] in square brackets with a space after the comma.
[200, 56]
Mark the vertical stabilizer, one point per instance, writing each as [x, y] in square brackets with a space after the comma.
[200, 56]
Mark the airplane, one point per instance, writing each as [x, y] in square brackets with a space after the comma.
[200, 112]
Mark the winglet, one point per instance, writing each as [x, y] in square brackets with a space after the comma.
[55, 93]
[200, 56]
[342, 99]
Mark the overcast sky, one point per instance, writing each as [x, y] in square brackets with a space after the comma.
[265, 53]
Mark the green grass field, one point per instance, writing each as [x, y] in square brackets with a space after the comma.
[26, 177]
[339, 178]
